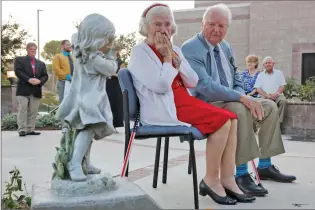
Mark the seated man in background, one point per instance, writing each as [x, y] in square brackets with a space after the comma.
[270, 85]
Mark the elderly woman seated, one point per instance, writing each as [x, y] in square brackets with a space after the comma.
[250, 75]
[161, 76]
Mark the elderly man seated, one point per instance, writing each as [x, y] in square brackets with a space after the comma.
[270, 85]
[221, 85]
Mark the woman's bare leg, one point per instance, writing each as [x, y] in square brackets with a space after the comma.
[215, 147]
[228, 160]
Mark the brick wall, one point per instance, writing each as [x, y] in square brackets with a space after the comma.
[299, 119]
[199, 4]
[277, 26]
[189, 24]
[281, 29]
[297, 50]
[238, 34]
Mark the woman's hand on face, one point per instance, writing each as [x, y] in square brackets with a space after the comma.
[162, 46]
[168, 42]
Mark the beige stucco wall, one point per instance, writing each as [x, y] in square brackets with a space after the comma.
[281, 29]
[189, 23]
[279, 25]
[202, 3]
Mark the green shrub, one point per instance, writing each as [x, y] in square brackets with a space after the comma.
[291, 89]
[48, 120]
[49, 98]
[10, 200]
[307, 91]
[4, 80]
[9, 122]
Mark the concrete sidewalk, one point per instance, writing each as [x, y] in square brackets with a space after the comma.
[33, 156]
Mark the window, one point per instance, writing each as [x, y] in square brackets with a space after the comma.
[308, 66]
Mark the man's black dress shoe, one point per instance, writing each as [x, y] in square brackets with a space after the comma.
[242, 198]
[33, 133]
[22, 133]
[248, 186]
[273, 173]
[205, 190]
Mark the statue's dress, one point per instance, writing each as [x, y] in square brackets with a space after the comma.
[86, 104]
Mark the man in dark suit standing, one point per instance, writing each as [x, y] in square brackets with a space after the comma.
[32, 75]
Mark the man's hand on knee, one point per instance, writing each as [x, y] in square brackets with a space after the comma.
[255, 107]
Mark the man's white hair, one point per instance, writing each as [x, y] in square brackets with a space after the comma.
[223, 8]
[268, 58]
[157, 10]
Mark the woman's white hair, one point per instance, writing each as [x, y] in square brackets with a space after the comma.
[147, 16]
[94, 32]
[223, 8]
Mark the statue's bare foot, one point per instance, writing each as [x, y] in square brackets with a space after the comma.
[76, 173]
[93, 170]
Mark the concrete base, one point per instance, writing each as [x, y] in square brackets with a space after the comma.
[95, 184]
[127, 196]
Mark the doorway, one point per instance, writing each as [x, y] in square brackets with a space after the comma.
[308, 66]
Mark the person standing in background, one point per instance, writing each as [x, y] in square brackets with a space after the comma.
[115, 95]
[63, 67]
[32, 75]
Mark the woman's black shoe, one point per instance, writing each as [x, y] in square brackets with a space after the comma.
[205, 190]
[242, 198]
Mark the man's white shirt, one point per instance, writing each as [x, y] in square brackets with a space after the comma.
[270, 83]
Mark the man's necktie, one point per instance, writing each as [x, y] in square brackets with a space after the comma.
[33, 65]
[221, 72]
[71, 64]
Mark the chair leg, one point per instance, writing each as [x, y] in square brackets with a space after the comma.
[165, 161]
[189, 163]
[157, 161]
[194, 170]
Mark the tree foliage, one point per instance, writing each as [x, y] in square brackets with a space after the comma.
[51, 48]
[13, 39]
[77, 23]
[49, 68]
[125, 43]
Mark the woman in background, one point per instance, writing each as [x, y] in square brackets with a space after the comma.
[250, 75]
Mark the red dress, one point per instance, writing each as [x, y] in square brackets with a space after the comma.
[205, 117]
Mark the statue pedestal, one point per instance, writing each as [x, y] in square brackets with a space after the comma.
[125, 195]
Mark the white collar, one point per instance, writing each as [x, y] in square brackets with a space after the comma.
[273, 71]
[211, 46]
